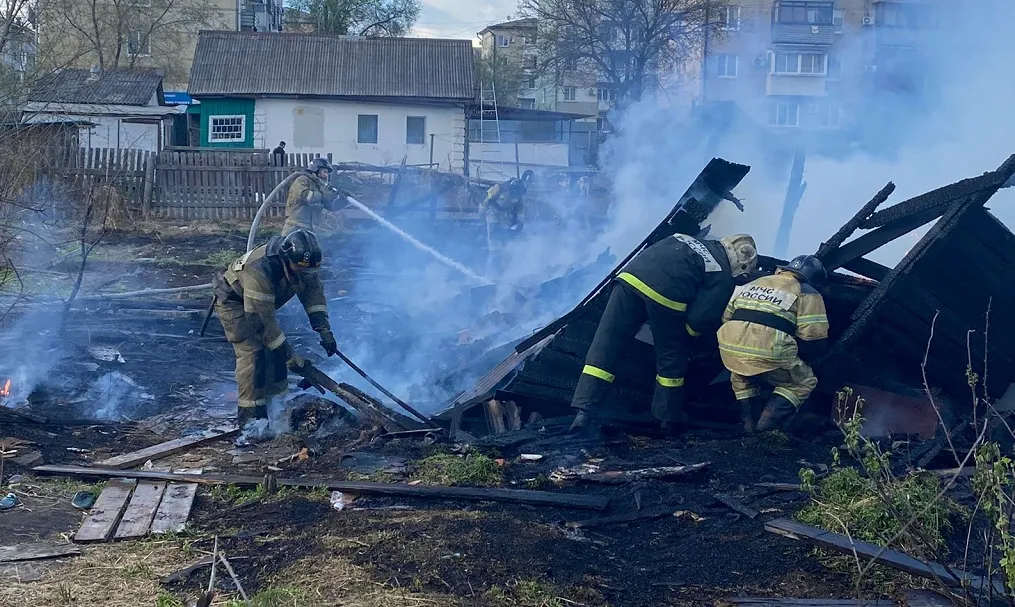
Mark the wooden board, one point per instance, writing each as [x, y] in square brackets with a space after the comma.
[137, 518]
[890, 558]
[38, 550]
[926, 598]
[780, 602]
[173, 512]
[161, 450]
[521, 496]
[101, 521]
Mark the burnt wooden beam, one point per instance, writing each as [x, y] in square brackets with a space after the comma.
[630, 517]
[889, 558]
[161, 450]
[851, 226]
[933, 198]
[518, 496]
[878, 238]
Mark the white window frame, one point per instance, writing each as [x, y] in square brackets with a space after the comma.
[502, 41]
[722, 62]
[141, 36]
[527, 103]
[796, 69]
[211, 128]
[829, 60]
[826, 113]
[422, 140]
[565, 90]
[377, 129]
[605, 94]
[730, 19]
[838, 17]
[792, 110]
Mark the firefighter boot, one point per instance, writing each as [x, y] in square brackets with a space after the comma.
[777, 412]
[253, 425]
[581, 421]
[747, 407]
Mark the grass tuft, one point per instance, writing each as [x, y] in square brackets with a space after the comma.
[449, 469]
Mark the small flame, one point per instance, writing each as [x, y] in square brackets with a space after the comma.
[6, 390]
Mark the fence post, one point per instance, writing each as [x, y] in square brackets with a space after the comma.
[149, 184]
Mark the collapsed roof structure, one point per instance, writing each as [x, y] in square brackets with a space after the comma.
[882, 319]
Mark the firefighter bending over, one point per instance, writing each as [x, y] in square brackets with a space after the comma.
[773, 329]
[308, 195]
[680, 286]
[248, 293]
[504, 212]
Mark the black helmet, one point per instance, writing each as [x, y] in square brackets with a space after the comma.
[527, 176]
[318, 164]
[517, 187]
[807, 268]
[301, 251]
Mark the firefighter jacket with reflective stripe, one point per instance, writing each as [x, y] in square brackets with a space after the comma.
[769, 322]
[685, 275]
[307, 196]
[260, 280]
[502, 207]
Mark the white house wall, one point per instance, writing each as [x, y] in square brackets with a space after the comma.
[500, 158]
[322, 127]
[115, 133]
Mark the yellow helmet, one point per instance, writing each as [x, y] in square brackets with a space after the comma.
[742, 253]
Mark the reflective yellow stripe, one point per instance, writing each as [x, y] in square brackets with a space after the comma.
[670, 382]
[691, 331]
[257, 402]
[275, 343]
[258, 295]
[651, 293]
[735, 349]
[745, 394]
[811, 319]
[314, 309]
[606, 376]
[792, 398]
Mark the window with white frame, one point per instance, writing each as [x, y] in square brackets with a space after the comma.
[834, 67]
[801, 12]
[529, 39]
[569, 93]
[729, 18]
[503, 41]
[837, 19]
[223, 129]
[785, 113]
[726, 65]
[529, 82]
[606, 94]
[526, 103]
[415, 129]
[529, 62]
[829, 115]
[800, 63]
[139, 43]
[366, 128]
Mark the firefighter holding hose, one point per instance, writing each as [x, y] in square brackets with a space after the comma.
[680, 286]
[247, 295]
[503, 209]
[309, 194]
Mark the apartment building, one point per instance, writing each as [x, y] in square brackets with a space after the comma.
[813, 65]
[158, 34]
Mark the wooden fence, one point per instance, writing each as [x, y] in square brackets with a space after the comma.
[66, 178]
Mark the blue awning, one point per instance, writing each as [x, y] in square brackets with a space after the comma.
[178, 98]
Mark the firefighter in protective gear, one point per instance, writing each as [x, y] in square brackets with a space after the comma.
[773, 330]
[308, 195]
[248, 293]
[503, 209]
[680, 286]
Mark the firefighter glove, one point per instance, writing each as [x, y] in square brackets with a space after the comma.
[328, 343]
[295, 362]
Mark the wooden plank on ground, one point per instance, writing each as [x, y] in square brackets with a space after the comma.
[173, 512]
[161, 450]
[926, 598]
[35, 551]
[101, 521]
[140, 512]
[890, 558]
[520, 496]
[781, 602]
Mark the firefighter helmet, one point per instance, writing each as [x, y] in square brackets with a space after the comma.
[527, 176]
[742, 253]
[517, 187]
[319, 164]
[301, 251]
[807, 268]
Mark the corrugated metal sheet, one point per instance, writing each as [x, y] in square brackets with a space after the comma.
[264, 63]
[113, 87]
[802, 34]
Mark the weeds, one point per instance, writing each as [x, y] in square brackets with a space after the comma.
[167, 600]
[526, 593]
[448, 469]
[274, 597]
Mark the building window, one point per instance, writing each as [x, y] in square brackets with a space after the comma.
[834, 67]
[502, 41]
[727, 65]
[415, 129]
[569, 93]
[837, 19]
[895, 14]
[529, 39]
[366, 128]
[529, 82]
[807, 13]
[526, 103]
[800, 63]
[606, 94]
[729, 18]
[227, 128]
[830, 116]
[529, 62]
[603, 125]
[784, 114]
[139, 44]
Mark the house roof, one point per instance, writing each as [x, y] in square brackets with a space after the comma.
[517, 24]
[264, 63]
[108, 87]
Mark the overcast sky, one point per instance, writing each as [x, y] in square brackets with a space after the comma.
[460, 18]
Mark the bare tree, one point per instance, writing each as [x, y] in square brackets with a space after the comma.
[125, 33]
[505, 76]
[624, 45]
[353, 17]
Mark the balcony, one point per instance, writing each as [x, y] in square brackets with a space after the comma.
[903, 37]
[803, 33]
[795, 85]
